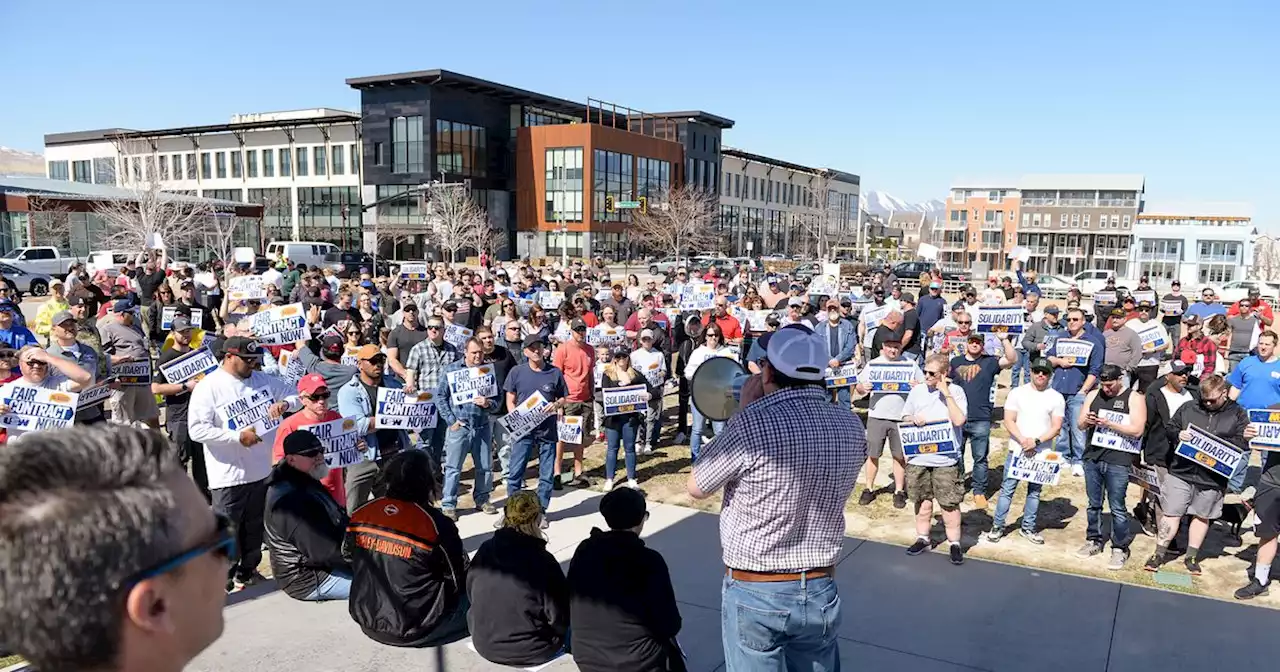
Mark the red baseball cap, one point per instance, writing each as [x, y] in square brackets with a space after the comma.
[311, 383]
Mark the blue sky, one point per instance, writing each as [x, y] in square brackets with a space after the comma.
[908, 95]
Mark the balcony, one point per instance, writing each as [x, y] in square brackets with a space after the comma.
[1159, 256]
[1077, 251]
[951, 245]
[1042, 250]
[993, 226]
[1040, 201]
[1218, 259]
[1117, 203]
[953, 224]
[989, 247]
[1111, 253]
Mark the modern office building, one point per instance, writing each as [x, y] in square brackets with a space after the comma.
[771, 206]
[1074, 223]
[526, 157]
[978, 225]
[1198, 244]
[303, 166]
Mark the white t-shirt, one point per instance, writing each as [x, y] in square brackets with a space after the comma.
[652, 364]
[887, 405]
[928, 403]
[1035, 410]
[274, 277]
[1174, 399]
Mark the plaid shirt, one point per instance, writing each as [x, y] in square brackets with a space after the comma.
[1189, 347]
[787, 463]
[427, 361]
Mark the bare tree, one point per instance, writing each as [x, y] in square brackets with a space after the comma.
[50, 224]
[682, 221]
[825, 224]
[132, 222]
[1266, 258]
[456, 222]
[219, 236]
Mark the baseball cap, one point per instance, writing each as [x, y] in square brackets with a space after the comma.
[1110, 372]
[1117, 312]
[976, 338]
[367, 284]
[623, 508]
[186, 284]
[63, 316]
[242, 346]
[1042, 365]
[368, 352]
[1191, 320]
[303, 442]
[56, 281]
[935, 285]
[798, 353]
[1176, 283]
[908, 297]
[577, 323]
[1180, 368]
[1052, 310]
[532, 340]
[76, 300]
[620, 351]
[180, 323]
[1254, 291]
[795, 301]
[646, 334]
[450, 305]
[1145, 305]
[311, 383]
[332, 344]
[123, 305]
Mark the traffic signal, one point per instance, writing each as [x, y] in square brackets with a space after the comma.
[644, 204]
[608, 203]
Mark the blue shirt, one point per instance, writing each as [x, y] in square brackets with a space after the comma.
[1028, 287]
[523, 381]
[930, 310]
[976, 378]
[1204, 311]
[1068, 381]
[1258, 382]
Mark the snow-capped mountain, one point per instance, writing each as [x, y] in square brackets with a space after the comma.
[881, 203]
[18, 162]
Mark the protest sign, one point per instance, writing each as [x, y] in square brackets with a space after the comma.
[605, 336]
[935, 438]
[1110, 439]
[570, 428]
[757, 320]
[104, 262]
[341, 443]
[562, 334]
[1144, 296]
[92, 396]
[246, 288]
[349, 356]
[457, 335]
[1267, 422]
[195, 364]
[415, 271]
[826, 284]
[470, 383]
[1210, 452]
[1153, 335]
[523, 306]
[891, 377]
[1043, 468]
[842, 376]
[526, 417]
[999, 319]
[291, 368]
[1104, 297]
[36, 408]
[550, 300]
[1171, 307]
[1145, 477]
[872, 315]
[628, 399]
[990, 345]
[397, 410]
[653, 373]
[699, 296]
[170, 312]
[927, 251]
[1075, 350]
[243, 255]
[279, 325]
[133, 373]
[250, 412]
[1019, 253]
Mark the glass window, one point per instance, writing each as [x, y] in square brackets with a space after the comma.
[737, 185]
[251, 158]
[135, 164]
[461, 148]
[268, 163]
[302, 162]
[104, 171]
[277, 217]
[338, 167]
[321, 162]
[612, 175]
[286, 162]
[58, 170]
[164, 167]
[355, 159]
[237, 165]
[407, 155]
[325, 214]
[379, 158]
[563, 186]
[176, 163]
[206, 165]
[222, 165]
[81, 171]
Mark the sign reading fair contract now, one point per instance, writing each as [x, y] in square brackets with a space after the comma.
[1267, 422]
[397, 410]
[1113, 440]
[36, 408]
[526, 416]
[467, 385]
[629, 399]
[195, 364]
[697, 297]
[1210, 452]
[279, 325]
[569, 428]
[1074, 350]
[341, 443]
[891, 377]
[250, 412]
[935, 438]
[999, 319]
[606, 336]
[1043, 468]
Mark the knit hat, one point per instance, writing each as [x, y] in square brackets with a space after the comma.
[623, 508]
[522, 508]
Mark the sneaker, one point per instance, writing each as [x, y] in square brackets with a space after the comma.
[497, 524]
[1118, 557]
[608, 484]
[995, 535]
[579, 481]
[1254, 589]
[557, 483]
[957, 555]
[1149, 525]
[979, 501]
[919, 547]
[451, 514]
[1090, 549]
[867, 497]
[1033, 537]
[1077, 470]
[1153, 563]
[900, 500]
[1193, 566]
[631, 483]
[647, 450]
[681, 437]
[488, 508]
[244, 582]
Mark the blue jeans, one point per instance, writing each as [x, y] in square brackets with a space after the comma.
[1021, 370]
[498, 436]
[521, 451]
[844, 397]
[651, 424]
[626, 436]
[784, 625]
[1071, 437]
[1236, 484]
[336, 586]
[1007, 488]
[695, 438]
[432, 440]
[977, 434]
[457, 445]
[1115, 479]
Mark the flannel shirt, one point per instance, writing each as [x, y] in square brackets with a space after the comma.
[427, 361]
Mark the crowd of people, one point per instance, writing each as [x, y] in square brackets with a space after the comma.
[287, 397]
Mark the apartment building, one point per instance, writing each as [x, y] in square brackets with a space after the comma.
[978, 225]
[1198, 244]
[1074, 223]
[913, 226]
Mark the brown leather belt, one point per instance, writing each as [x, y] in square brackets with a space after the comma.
[771, 577]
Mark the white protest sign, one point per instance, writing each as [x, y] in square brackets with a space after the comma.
[133, 373]
[757, 320]
[523, 306]
[653, 373]
[195, 364]
[279, 325]
[156, 241]
[104, 262]
[472, 382]
[1208, 451]
[873, 315]
[1104, 297]
[550, 300]
[1043, 468]
[934, 438]
[1110, 439]
[243, 255]
[526, 417]
[250, 412]
[341, 443]
[628, 399]
[891, 377]
[457, 335]
[828, 283]
[349, 356]
[562, 334]
[170, 312]
[397, 410]
[36, 408]
[246, 288]
[1267, 422]
[1152, 334]
[291, 368]
[1076, 350]
[569, 428]
[1019, 253]
[605, 336]
[699, 296]
[1145, 477]
[927, 251]
[92, 396]
[842, 376]
[999, 319]
[415, 271]
[1144, 296]
[1171, 307]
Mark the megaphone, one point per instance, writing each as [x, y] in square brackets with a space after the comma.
[716, 388]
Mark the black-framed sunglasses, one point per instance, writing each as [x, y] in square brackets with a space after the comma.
[322, 396]
[223, 544]
[437, 327]
[932, 373]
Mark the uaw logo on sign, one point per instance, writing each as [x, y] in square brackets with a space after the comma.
[250, 412]
[1043, 468]
[279, 325]
[842, 376]
[195, 364]
[935, 438]
[35, 408]
[526, 417]
[1267, 422]
[341, 442]
[1110, 439]
[628, 399]
[891, 377]
[1209, 452]
[1074, 350]
[472, 382]
[999, 319]
[133, 373]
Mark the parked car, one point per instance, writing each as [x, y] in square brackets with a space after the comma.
[352, 262]
[805, 272]
[667, 265]
[1234, 291]
[317, 255]
[40, 260]
[741, 263]
[118, 259]
[21, 282]
[1052, 283]
[773, 257]
[1091, 281]
[914, 269]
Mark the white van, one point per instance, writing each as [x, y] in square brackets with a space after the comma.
[314, 254]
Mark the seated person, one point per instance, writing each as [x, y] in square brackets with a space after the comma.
[305, 525]
[519, 597]
[407, 559]
[622, 608]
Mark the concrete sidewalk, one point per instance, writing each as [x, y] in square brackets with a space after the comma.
[899, 613]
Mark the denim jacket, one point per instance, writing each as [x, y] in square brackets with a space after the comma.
[848, 339]
[354, 403]
[468, 413]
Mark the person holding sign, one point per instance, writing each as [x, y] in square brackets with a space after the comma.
[652, 364]
[315, 395]
[1033, 416]
[840, 341]
[124, 343]
[620, 429]
[1266, 504]
[468, 395]
[63, 343]
[1255, 383]
[933, 469]
[576, 360]
[177, 398]
[535, 376]
[1173, 306]
[1195, 484]
[423, 369]
[1114, 425]
[887, 378]
[1077, 358]
[975, 372]
[1156, 346]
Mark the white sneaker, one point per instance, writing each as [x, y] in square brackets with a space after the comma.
[1077, 470]
[631, 483]
[608, 484]
[680, 437]
[646, 449]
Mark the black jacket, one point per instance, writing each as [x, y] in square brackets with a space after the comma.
[409, 570]
[304, 529]
[617, 421]
[519, 600]
[1227, 423]
[503, 361]
[622, 607]
[1158, 445]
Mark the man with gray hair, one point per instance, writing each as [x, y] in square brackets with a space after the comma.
[110, 558]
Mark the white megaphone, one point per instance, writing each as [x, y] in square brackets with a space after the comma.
[716, 388]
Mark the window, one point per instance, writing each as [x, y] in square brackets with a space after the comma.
[1115, 221]
[330, 214]
[379, 158]
[268, 163]
[58, 170]
[176, 163]
[957, 195]
[407, 155]
[151, 167]
[1026, 219]
[338, 167]
[286, 162]
[135, 164]
[321, 161]
[251, 162]
[737, 185]
[302, 161]
[1124, 223]
[1086, 220]
[277, 210]
[221, 160]
[1063, 222]
[104, 171]
[995, 196]
[164, 167]
[612, 175]
[237, 165]
[563, 184]
[206, 166]
[1075, 220]
[355, 159]
[81, 171]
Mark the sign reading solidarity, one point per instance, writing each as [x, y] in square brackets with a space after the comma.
[569, 429]
[92, 396]
[279, 325]
[397, 410]
[891, 377]
[526, 417]
[457, 335]
[341, 443]
[170, 312]
[1145, 477]
[470, 383]
[606, 336]
[1153, 336]
[1144, 296]
[550, 300]
[1074, 350]
[35, 408]
[133, 373]
[415, 271]
[999, 319]
[935, 438]
[628, 399]
[1110, 439]
[697, 297]
[246, 288]
[250, 412]
[1209, 452]
[1267, 422]
[195, 364]
[1043, 468]
[842, 376]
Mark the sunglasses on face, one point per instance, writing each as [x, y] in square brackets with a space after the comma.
[1075, 319]
[319, 396]
[932, 373]
[222, 545]
[966, 322]
[436, 327]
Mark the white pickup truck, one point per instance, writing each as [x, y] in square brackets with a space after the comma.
[40, 260]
